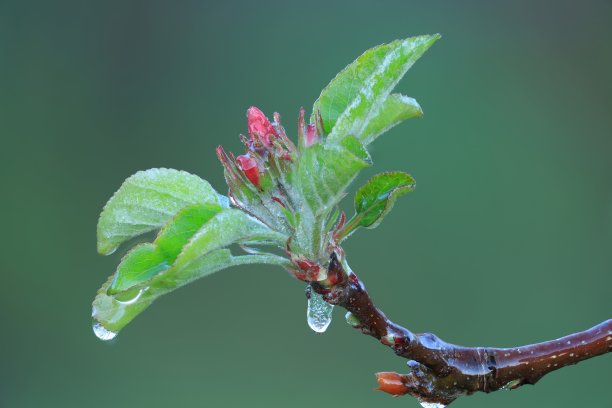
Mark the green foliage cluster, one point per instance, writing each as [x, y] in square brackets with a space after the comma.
[200, 232]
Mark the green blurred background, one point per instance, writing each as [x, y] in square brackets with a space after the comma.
[507, 240]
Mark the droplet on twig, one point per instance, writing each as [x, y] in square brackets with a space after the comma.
[318, 312]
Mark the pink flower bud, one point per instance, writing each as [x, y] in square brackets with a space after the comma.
[258, 123]
[311, 135]
[249, 167]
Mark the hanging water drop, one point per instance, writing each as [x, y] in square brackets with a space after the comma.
[102, 332]
[318, 312]
[426, 404]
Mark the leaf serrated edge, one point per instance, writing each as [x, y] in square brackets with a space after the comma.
[105, 249]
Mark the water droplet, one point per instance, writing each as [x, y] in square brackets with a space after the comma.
[318, 313]
[129, 298]
[426, 404]
[102, 332]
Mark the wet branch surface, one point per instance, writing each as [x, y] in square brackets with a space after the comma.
[439, 371]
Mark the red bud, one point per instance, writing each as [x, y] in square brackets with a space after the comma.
[300, 275]
[258, 123]
[311, 268]
[249, 167]
[311, 135]
[391, 383]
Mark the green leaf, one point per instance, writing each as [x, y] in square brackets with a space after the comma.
[203, 253]
[173, 237]
[376, 198]
[225, 228]
[146, 201]
[140, 264]
[113, 313]
[357, 149]
[329, 224]
[146, 260]
[395, 109]
[357, 95]
[342, 90]
[323, 173]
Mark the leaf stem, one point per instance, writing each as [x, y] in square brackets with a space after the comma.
[348, 228]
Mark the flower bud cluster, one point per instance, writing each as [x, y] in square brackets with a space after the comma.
[259, 180]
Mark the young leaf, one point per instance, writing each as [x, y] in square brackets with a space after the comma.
[376, 198]
[140, 264]
[203, 254]
[358, 93]
[227, 227]
[146, 260]
[342, 90]
[395, 109]
[146, 201]
[175, 235]
[324, 172]
[320, 180]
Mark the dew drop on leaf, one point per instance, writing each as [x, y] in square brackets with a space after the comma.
[102, 332]
[129, 298]
[318, 312]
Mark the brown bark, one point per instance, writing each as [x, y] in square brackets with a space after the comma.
[440, 371]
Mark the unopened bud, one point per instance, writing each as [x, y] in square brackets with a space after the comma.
[250, 169]
[258, 123]
[311, 135]
[391, 383]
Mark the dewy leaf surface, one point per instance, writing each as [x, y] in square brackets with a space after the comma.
[140, 264]
[394, 110]
[146, 260]
[146, 201]
[203, 254]
[358, 93]
[376, 198]
[342, 90]
[225, 228]
[325, 171]
[198, 225]
[320, 179]
[173, 237]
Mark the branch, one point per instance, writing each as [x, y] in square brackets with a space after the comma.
[440, 371]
